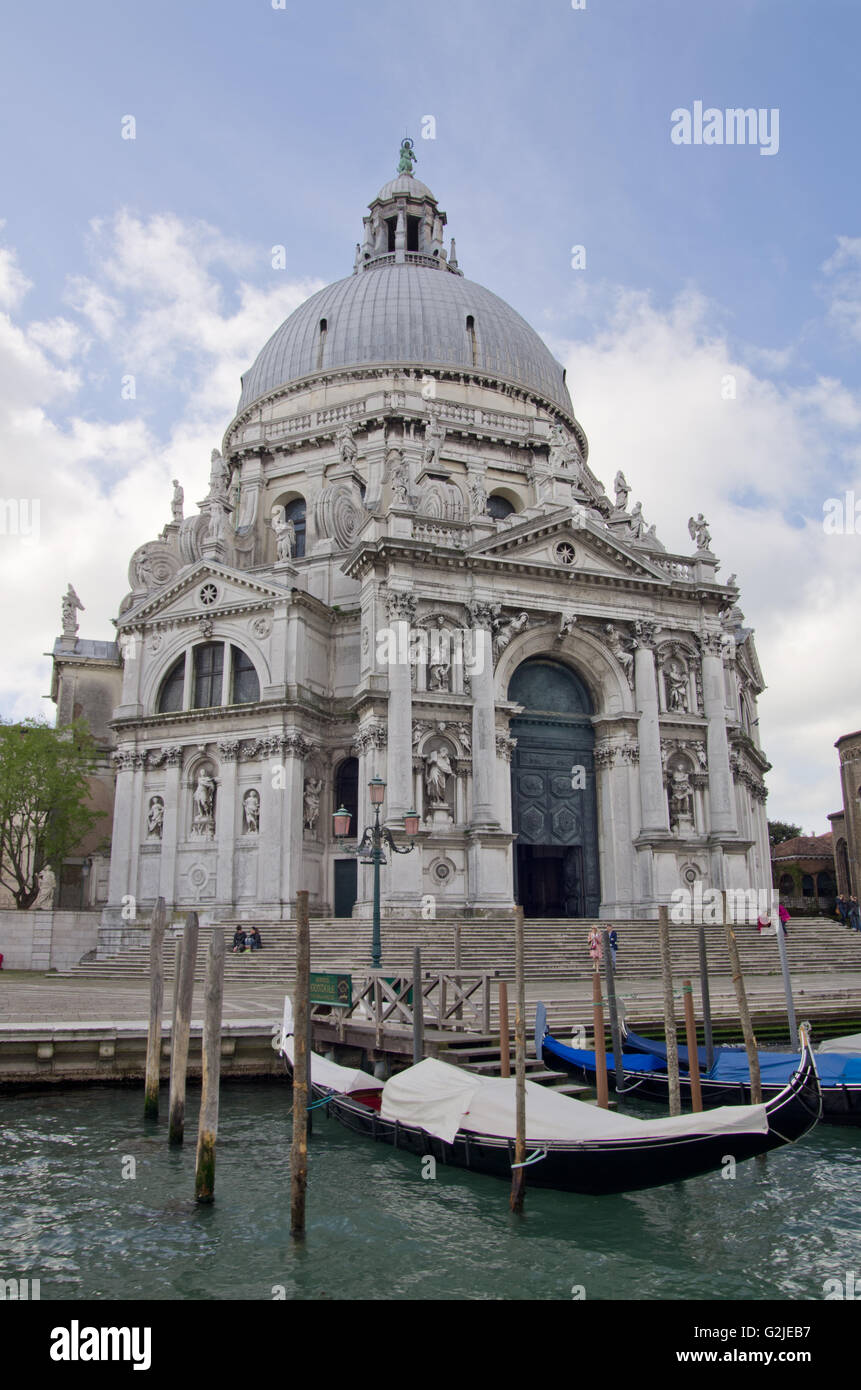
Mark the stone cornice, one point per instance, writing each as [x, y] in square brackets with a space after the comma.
[382, 404]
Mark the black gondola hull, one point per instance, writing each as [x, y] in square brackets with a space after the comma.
[591, 1167]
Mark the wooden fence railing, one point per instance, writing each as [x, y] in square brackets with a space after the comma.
[455, 1000]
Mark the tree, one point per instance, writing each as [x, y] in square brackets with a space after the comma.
[780, 830]
[43, 800]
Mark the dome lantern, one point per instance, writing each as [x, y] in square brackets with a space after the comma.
[404, 225]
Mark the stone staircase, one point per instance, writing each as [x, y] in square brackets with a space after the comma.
[556, 951]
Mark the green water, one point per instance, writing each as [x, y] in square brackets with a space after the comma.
[376, 1229]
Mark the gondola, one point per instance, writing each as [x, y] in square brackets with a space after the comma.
[459, 1118]
[727, 1082]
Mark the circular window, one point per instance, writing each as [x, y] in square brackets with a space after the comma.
[208, 595]
[565, 554]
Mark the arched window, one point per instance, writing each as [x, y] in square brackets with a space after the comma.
[208, 674]
[347, 791]
[499, 507]
[172, 688]
[807, 886]
[295, 512]
[786, 886]
[209, 687]
[826, 886]
[246, 685]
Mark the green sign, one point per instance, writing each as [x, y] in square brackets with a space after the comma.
[329, 988]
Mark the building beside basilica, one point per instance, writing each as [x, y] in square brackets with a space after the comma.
[405, 567]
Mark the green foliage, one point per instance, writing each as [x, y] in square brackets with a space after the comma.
[43, 800]
[780, 830]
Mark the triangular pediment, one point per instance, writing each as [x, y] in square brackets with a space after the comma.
[205, 587]
[563, 543]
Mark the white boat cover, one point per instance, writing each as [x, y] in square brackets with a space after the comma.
[344, 1080]
[850, 1044]
[441, 1099]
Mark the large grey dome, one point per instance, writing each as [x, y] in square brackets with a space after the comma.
[406, 315]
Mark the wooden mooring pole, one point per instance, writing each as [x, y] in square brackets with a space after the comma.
[301, 1069]
[708, 1037]
[787, 983]
[743, 1009]
[669, 1011]
[693, 1055]
[518, 1175]
[601, 1084]
[504, 1031]
[207, 1128]
[184, 991]
[613, 1009]
[156, 1005]
[418, 1009]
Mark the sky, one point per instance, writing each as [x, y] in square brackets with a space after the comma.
[710, 324]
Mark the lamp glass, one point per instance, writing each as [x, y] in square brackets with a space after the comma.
[342, 820]
[377, 791]
[411, 823]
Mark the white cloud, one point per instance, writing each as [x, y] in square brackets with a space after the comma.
[155, 305]
[13, 284]
[648, 391]
[844, 290]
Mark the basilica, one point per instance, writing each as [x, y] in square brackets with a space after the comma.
[406, 568]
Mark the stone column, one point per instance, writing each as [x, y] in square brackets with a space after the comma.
[483, 719]
[274, 811]
[119, 883]
[653, 800]
[722, 813]
[296, 749]
[225, 822]
[171, 828]
[137, 821]
[401, 612]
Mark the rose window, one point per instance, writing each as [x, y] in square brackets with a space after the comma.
[208, 595]
[565, 553]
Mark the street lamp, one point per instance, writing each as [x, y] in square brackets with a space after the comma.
[370, 849]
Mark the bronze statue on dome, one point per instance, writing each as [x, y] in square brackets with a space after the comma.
[408, 156]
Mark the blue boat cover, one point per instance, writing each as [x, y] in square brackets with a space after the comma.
[776, 1068]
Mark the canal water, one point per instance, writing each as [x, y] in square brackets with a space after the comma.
[95, 1206]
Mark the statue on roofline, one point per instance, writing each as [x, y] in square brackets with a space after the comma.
[408, 156]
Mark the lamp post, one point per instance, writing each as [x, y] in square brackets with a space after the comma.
[370, 847]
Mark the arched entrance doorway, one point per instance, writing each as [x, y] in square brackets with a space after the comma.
[554, 813]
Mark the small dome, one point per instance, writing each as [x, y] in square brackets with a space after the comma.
[407, 315]
[404, 185]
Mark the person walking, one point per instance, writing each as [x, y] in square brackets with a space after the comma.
[783, 914]
[854, 913]
[842, 907]
[613, 943]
